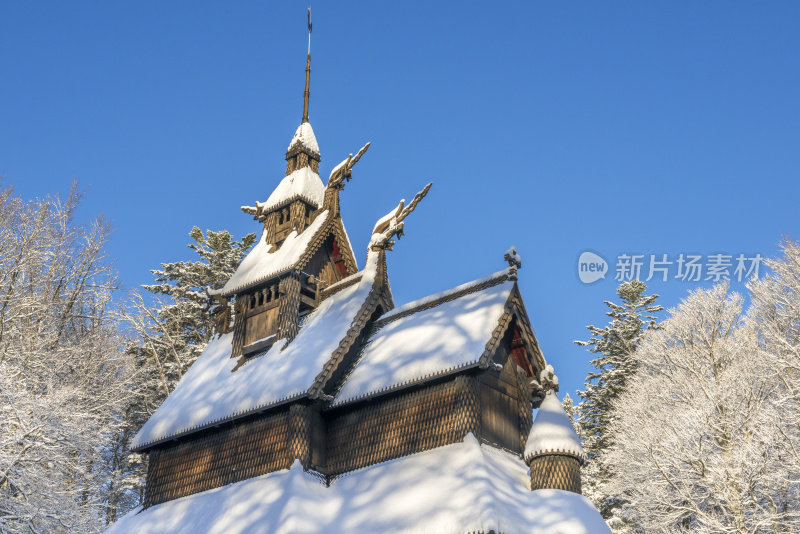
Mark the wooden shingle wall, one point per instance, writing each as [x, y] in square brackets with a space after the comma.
[396, 426]
[228, 455]
[493, 404]
[556, 471]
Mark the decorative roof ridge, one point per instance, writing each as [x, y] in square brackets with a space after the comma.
[243, 287]
[432, 301]
[356, 326]
[344, 283]
[497, 334]
[555, 451]
[526, 329]
[333, 224]
[481, 361]
[217, 422]
[285, 202]
[408, 383]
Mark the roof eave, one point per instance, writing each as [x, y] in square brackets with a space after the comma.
[212, 424]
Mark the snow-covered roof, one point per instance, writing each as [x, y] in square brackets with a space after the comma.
[211, 391]
[552, 432]
[302, 184]
[463, 487]
[304, 136]
[263, 262]
[430, 337]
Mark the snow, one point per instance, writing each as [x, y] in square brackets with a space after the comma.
[443, 294]
[211, 391]
[552, 431]
[429, 342]
[513, 257]
[304, 135]
[463, 487]
[263, 262]
[344, 281]
[344, 162]
[301, 184]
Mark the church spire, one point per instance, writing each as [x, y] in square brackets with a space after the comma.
[303, 151]
[308, 71]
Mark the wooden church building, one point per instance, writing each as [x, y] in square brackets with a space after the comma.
[321, 407]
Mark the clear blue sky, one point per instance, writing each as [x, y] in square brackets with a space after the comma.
[624, 127]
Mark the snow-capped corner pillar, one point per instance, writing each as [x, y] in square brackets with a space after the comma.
[553, 451]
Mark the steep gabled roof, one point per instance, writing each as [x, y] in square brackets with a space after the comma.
[304, 138]
[264, 262]
[431, 337]
[212, 392]
[302, 184]
[463, 487]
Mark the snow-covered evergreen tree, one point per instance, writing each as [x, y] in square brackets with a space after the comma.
[64, 379]
[614, 345]
[175, 328]
[705, 434]
[172, 329]
[570, 409]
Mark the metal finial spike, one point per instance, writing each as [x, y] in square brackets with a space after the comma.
[309, 31]
[306, 93]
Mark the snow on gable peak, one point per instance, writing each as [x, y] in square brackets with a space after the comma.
[304, 137]
[303, 183]
[552, 432]
[265, 261]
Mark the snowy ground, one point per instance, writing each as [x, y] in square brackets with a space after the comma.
[463, 487]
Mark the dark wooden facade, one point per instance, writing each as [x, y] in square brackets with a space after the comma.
[490, 399]
[331, 441]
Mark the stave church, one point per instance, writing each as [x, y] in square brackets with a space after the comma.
[321, 406]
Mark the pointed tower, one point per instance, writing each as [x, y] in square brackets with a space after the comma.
[302, 250]
[553, 450]
[300, 193]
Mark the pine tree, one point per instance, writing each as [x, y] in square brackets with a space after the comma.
[614, 344]
[570, 409]
[171, 330]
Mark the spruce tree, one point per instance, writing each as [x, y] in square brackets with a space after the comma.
[614, 345]
[171, 329]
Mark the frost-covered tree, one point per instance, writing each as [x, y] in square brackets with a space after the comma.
[172, 328]
[63, 376]
[570, 409]
[703, 431]
[776, 314]
[614, 345]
